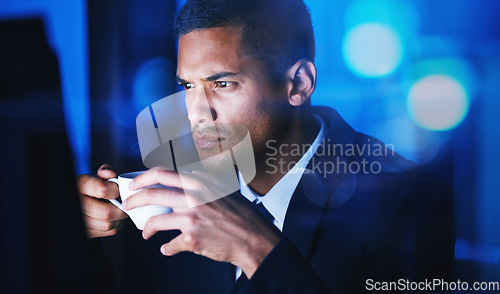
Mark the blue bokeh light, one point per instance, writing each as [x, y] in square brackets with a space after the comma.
[152, 81]
[442, 89]
[455, 67]
[378, 35]
[438, 102]
[372, 50]
[400, 15]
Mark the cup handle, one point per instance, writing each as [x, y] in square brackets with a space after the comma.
[114, 201]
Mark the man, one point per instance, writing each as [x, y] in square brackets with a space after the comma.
[341, 217]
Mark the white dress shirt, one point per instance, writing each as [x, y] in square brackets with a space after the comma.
[276, 201]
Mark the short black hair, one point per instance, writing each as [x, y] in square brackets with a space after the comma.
[276, 32]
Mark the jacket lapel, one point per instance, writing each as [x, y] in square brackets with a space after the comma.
[302, 220]
[318, 190]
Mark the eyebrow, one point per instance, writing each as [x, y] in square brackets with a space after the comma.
[220, 75]
[214, 77]
[179, 80]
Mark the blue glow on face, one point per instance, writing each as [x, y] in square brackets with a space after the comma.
[438, 102]
[372, 50]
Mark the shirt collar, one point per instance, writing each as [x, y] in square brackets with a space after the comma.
[276, 201]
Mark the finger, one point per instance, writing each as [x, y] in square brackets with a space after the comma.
[175, 246]
[101, 210]
[96, 234]
[100, 225]
[173, 198]
[160, 175]
[163, 222]
[96, 187]
[106, 171]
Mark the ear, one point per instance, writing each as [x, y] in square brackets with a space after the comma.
[301, 82]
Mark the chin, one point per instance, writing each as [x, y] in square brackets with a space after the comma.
[216, 161]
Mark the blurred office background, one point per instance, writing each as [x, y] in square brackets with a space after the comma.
[421, 75]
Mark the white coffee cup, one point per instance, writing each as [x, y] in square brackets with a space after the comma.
[139, 215]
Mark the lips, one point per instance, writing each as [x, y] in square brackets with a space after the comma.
[206, 140]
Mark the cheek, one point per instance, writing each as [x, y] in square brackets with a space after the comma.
[256, 121]
[264, 116]
[264, 126]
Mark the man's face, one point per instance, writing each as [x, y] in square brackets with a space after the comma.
[227, 92]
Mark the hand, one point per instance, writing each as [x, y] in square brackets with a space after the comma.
[228, 229]
[101, 217]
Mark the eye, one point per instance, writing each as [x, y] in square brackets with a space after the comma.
[187, 86]
[223, 84]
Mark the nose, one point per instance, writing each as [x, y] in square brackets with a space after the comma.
[201, 113]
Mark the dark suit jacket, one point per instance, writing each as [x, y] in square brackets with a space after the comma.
[344, 225]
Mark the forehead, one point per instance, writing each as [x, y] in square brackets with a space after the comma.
[211, 50]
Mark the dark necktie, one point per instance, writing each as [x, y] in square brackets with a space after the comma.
[265, 213]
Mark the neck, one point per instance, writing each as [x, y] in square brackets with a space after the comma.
[300, 134]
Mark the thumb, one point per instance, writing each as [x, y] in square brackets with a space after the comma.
[106, 172]
[173, 247]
